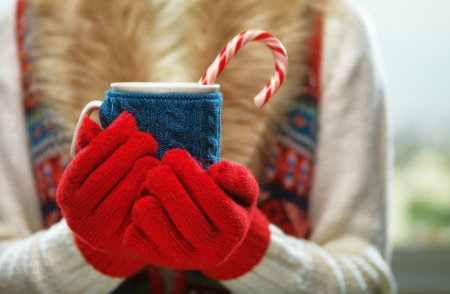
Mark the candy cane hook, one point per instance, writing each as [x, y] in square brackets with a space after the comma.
[228, 52]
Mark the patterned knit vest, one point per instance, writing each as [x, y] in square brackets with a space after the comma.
[287, 166]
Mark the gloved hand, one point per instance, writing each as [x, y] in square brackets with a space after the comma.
[99, 188]
[191, 219]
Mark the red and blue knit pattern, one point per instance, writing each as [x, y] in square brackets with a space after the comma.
[49, 149]
[288, 169]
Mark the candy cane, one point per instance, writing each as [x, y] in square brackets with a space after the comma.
[278, 51]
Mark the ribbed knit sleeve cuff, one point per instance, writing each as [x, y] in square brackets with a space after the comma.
[292, 265]
[65, 268]
[275, 270]
[247, 255]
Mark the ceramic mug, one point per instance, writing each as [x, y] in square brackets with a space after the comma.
[177, 115]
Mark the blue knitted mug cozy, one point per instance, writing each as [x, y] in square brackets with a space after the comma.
[175, 120]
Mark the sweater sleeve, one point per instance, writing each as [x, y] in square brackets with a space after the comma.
[347, 251]
[31, 261]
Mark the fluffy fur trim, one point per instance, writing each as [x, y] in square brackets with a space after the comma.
[81, 46]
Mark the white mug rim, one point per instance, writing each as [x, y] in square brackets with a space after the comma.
[164, 87]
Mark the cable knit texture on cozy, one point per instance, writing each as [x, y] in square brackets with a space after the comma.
[347, 251]
[163, 116]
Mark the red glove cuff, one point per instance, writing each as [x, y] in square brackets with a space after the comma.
[247, 255]
[107, 264]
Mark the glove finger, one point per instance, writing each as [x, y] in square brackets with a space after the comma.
[154, 237]
[237, 181]
[87, 132]
[223, 212]
[113, 214]
[138, 243]
[113, 170]
[183, 211]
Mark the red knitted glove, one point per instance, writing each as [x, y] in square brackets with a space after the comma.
[190, 219]
[99, 188]
[108, 264]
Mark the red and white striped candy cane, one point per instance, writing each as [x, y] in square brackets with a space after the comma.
[278, 51]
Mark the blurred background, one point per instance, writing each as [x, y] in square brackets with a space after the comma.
[415, 41]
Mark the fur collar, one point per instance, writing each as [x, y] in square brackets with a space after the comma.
[81, 46]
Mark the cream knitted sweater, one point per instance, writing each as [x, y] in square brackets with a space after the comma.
[348, 249]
